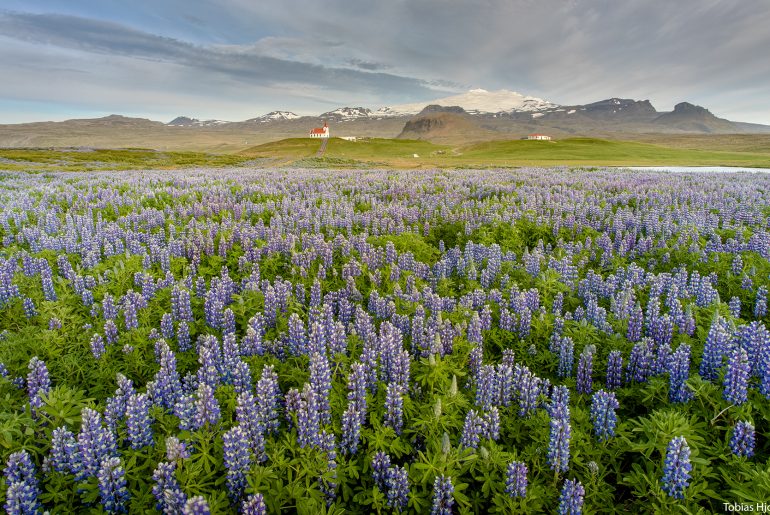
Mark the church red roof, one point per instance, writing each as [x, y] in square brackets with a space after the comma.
[317, 131]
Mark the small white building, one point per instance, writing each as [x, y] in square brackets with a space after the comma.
[540, 137]
[349, 138]
[320, 132]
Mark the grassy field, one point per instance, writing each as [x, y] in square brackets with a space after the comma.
[379, 152]
[117, 159]
[569, 152]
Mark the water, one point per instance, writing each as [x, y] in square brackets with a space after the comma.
[689, 169]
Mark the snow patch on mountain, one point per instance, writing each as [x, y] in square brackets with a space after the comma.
[184, 121]
[275, 116]
[348, 113]
[476, 101]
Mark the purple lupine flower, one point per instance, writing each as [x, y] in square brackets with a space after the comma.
[112, 485]
[634, 333]
[111, 332]
[54, 324]
[109, 309]
[176, 450]
[167, 326]
[558, 445]
[527, 387]
[394, 407]
[663, 330]
[490, 424]
[735, 307]
[566, 357]
[505, 384]
[471, 431]
[184, 410]
[736, 266]
[475, 360]
[95, 443]
[661, 362]
[208, 372]
[714, 350]
[231, 355]
[206, 407]
[249, 417]
[397, 487]
[357, 384]
[737, 377]
[308, 419]
[679, 372]
[29, 307]
[197, 505]
[603, 406]
[315, 294]
[473, 333]
[138, 422]
[351, 429]
[742, 439]
[380, 465]
[760, 302]
[677, 468]
[487, 391]
[38, 383]
[254, 505]
[297, 337]
[240, 376]
[614, 369]
[688, 324]
[21, 499]
[116, 405]
[755, 339]
[183, 336]
[228, 321]
[46, 278]
[571, 498]
[64, 451]
[559, 405]
[267, 396]
[320, 381]
[237, 457]
[558, 304]
[97, 345]
[560, 429]
[167, 491]
[443, 499]
[516, 479]
[168, 386]
[639, 362]
[585, 369]
[23, 491]
[129, 314]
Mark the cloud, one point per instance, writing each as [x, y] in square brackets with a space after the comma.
[310, 53]
[367, 65]
[235, 62]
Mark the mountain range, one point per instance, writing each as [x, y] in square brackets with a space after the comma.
[472, 116]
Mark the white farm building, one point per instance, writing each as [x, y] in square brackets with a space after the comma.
[540, 137]
[320, 132]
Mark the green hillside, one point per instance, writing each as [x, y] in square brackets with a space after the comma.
[572, 151]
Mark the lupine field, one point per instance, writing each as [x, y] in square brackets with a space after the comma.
[311, 341]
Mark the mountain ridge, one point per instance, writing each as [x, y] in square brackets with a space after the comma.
[475, 117]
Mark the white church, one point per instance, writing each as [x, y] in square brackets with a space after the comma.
[320, 132]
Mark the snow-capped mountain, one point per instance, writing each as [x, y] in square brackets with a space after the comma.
[476, 101]
[275, 116]
[348, 113]
[184, 121]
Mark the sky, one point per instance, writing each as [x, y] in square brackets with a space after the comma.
[237, 59]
